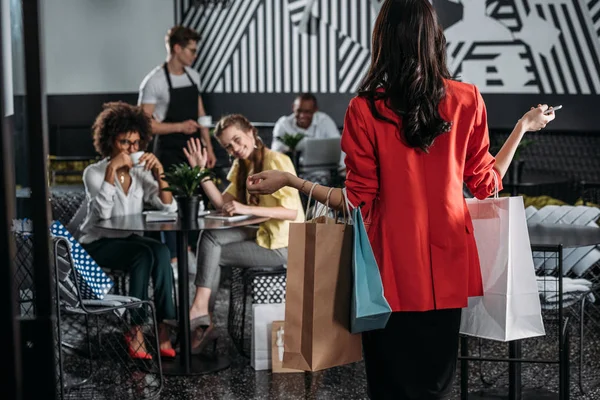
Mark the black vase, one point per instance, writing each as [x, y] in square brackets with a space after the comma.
[187, 207]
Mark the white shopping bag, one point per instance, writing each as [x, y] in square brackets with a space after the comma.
[263, 316]
[510, 307]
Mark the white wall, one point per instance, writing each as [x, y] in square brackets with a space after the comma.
[103, 46]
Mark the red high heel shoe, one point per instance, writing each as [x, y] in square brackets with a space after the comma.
[167, 353]
[137, 354]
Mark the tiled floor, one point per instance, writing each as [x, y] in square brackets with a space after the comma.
[240, 381]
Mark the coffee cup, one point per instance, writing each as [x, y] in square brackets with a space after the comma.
[135, 158]
[205, 121]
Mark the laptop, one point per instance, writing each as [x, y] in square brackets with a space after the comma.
[316, 152]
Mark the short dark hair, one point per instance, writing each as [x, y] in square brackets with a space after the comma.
[308, 97]
[181, 35]
[117, 118]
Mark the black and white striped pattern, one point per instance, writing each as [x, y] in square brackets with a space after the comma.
[353, 60]
[323, 46]
[282, 46]
[572, 65]
[594, 8]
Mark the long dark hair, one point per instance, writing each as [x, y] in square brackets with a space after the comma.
[257, 158]
[409, 63]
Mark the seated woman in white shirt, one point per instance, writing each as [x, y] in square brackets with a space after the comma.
[115, 187]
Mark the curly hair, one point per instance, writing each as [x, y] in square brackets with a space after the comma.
[117, 118]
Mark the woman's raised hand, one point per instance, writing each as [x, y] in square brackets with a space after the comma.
[196, 153]
[536, 118]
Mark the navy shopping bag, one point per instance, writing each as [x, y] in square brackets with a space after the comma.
[370, 309]
[93, 282]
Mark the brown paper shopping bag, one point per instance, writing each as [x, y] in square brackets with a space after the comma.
[318, 297]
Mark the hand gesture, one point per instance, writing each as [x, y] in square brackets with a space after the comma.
[234, 207]
[152, 164]
[536, 119]
[121, 160]
[189, 127]
[195, 153]
[267, 182]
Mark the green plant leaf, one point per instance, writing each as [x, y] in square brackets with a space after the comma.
[291, 140]
[184, 180]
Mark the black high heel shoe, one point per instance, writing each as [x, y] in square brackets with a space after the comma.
[201, 321]
[209, 336]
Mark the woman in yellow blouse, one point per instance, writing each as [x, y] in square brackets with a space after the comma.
[246, 246]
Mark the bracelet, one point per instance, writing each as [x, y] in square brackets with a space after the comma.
[205, 180]
[302, 187]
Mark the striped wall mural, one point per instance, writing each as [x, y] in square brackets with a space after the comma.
[323, 46]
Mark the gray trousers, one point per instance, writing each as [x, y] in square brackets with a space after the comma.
[234, 247]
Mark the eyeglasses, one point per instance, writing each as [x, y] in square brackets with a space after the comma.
[127, 143]
[192, 50]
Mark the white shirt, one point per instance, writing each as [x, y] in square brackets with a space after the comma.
[105, 201]
[321, 127]
[154, 89]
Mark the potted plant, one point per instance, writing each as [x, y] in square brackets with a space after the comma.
[184, 183]
[291, 141]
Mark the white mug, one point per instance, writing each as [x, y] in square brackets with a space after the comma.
[205, 121]
[135, 158]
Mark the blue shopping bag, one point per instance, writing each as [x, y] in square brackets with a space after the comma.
[93, 282]
[370, 310]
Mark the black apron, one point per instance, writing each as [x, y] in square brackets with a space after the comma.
[183, 105]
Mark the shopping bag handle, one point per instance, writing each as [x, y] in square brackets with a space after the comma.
[310, 197]
[326, 207]
[349, 206]
[496, 196]
[325, 210]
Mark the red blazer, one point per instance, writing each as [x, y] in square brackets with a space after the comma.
[415, 213]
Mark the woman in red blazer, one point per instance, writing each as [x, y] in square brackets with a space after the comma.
[412, 137]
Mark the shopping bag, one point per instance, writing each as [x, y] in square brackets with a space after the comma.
[268, 289]
[263, 316]
[93, 282]
[278, 347]
[318, 296]
[510, 307]
[370, 310]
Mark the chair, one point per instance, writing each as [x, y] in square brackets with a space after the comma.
[242, 285]
[112, 372]
[66, 205]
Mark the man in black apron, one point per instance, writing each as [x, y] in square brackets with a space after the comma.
[183, 106]
[170, 94]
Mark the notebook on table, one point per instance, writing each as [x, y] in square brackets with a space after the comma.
[165, 216]
[160, 216]
[229, 218]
